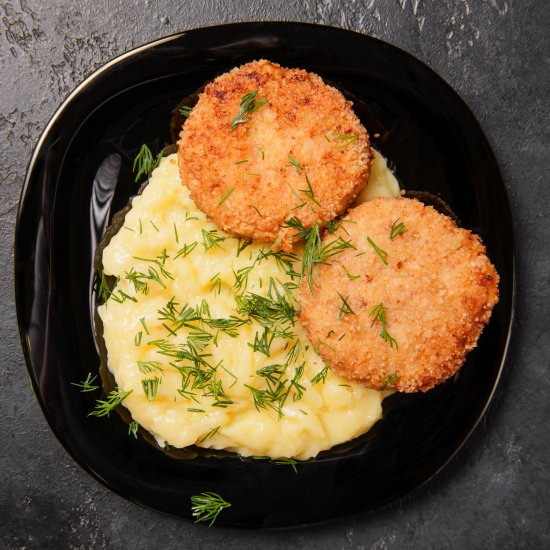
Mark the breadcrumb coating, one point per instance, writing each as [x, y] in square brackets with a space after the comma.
[303, 154]
[438, 290]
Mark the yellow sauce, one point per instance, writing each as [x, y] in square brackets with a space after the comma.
[316, 415]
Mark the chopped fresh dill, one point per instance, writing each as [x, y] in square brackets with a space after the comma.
[381, 253]
[189, 218]
[262, 343]
[389, 381]
[332, 226]
[242, 244]
[86, 385]
[144, 163]
[135, 277]
[261, 152]
[344, 307]
[211, 239]
[378, 313]
[103, 293]
[295, 164]
[207, 506]
[253, 174]
[153, 224]
[345, 139]
[191, 410]
[249, 104]
[398, 228]
[150, 387]
[284, 461]
[314, 252]
[145, 367]
[208, 435]
[103, 407]
[349, 275]
[137, 338]
[140, 227]
[122, 297]
[176, 233]
[309, 192]
[224, 198]
[257, 211]
[216, 287]
[185, 110]
[129, 229]
[133, 429]
[321, 376]
[241, 277]
[241, 161]
[159, 261]
[186, 250]
[142, 321]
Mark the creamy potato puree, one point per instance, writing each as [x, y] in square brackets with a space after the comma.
[219, 412]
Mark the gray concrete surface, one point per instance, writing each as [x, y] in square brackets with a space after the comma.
[496, 493]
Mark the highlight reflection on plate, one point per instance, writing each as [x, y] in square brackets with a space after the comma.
[80, 175]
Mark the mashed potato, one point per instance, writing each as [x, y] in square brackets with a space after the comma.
[202, 329]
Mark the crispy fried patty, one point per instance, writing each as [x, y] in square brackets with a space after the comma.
[301, 154]
[407, 325]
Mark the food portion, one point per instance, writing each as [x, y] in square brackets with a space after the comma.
[204, 339]
[246, 314]
[402, 308]
[265, 144]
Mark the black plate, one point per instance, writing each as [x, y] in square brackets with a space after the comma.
[80, 174]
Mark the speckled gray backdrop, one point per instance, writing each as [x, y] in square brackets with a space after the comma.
[496, 493]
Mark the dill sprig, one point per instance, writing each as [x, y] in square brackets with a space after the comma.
[295, 164]
[349, 275]
[268, 311]
[208, 435]
[133, 429]
[159, 261]
[186, 250]
[207, 506]
[378, 313]
[150, 387]
[345, 308]
[321, 376]
[249, 104]
[285, 461]
[104, 292]
[242, 244]
[185, 110]
[309, 192]
[398, 228]
[381, 253]
[211, 239]
[144, 162]
[314, 253]
[389, 381]
[241, 277]
[103, 407]
[86, 385]
[224, 198]
[345, 139]
[145, 367]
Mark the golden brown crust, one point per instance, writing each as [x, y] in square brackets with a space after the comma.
[303, 118]
[439, 289]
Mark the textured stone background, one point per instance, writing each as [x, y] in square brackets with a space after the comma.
[496, 492]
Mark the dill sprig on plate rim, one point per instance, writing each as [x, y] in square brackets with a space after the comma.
[207, 507]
